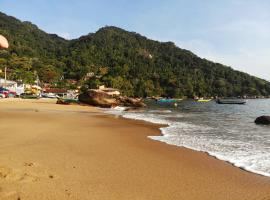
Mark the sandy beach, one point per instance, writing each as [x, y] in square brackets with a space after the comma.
[50, 151]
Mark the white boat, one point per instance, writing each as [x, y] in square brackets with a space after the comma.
[49, 95]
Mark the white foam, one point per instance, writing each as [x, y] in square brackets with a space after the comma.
[119, 108]
[227, 150]
[160, 111]
[146, 117]
[115, 111]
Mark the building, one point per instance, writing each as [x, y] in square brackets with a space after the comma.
[59, 92]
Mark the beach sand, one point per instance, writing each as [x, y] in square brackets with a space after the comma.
[57, 152]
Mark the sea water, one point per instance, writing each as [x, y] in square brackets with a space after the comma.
[227, 132]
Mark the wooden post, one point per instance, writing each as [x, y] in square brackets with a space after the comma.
[5, 77]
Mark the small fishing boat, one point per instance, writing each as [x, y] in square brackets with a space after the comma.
[231, 101]
[29, 96]
[67, 101]
[49, 95]
[163, 100]
[204, 100]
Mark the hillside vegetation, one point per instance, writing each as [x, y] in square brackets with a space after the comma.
[125, 60]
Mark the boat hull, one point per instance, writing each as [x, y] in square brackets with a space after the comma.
[204, 100]
[166, 101]
[225, 101]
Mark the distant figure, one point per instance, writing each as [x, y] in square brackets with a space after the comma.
[3, 42]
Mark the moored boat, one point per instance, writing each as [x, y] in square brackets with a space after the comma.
[231, 101]
[204, 100]
[64, 101]
[164, 100]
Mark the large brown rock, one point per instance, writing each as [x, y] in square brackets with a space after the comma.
[131, 102]
[264, 120]
[98, 98]
[102, 99]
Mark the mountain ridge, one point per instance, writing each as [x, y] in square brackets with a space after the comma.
[126, 60]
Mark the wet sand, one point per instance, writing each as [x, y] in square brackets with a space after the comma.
[50, 151]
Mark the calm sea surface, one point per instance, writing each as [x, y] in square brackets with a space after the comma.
[227, 132]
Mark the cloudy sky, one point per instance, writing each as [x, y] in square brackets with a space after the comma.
[232, 32]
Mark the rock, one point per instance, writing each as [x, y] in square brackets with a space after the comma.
[67, 101]
[103, 99]
[62, 102]
[131, 102]
[265, 120]
[98, 98]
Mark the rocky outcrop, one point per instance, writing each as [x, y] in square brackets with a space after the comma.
[98, 98]
[264, 120]
[67, 101]
[102, 99]
[131, 102]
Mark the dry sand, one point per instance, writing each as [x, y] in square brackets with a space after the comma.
[57, 152]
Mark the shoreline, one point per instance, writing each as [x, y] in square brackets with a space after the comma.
[85, 154]
[159, 126]
[218, 157]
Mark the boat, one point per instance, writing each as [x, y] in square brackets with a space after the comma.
[29, 96]
[65, 101]
[231, 101]
[204, 100]
[49, 95]
[163, 100]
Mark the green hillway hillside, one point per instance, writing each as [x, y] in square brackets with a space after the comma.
[117, 58]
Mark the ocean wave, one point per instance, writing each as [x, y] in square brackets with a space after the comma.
[160, 111]
[147, 117]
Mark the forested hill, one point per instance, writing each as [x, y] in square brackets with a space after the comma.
[27, 39]
[125, 60]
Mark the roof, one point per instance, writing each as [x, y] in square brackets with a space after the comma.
[2, 80]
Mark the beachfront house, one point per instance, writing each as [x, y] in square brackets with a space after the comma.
[59, 92]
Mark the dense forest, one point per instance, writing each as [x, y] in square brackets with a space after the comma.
[117, 58]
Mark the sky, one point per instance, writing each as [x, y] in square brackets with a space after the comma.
[232, 32]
